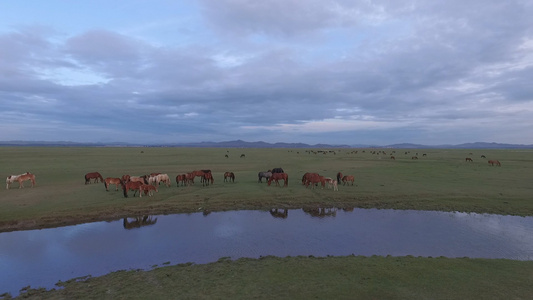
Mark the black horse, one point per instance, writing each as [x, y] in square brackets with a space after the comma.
[277, 170]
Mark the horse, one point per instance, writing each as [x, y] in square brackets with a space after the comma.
[346, 179]
[93, 175]
[414, 157]
[242, 155]
[189, 177]
[331, 183]
[181, 179]
[468, 159]
[208, 177]
[339, 177]
[156, 179]
[392, 157]
[495, 162]
[277, 176]
[147, 189]
[142, 179]
[131, 185]
[277, 170]
[229, 176]
[314, 179]
[20, 179]
[200, 173]
[110, 180]
[262, 175]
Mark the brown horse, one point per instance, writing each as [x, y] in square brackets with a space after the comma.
[229, 176]
[181, 179]
[277, 176]
[200, 173]
[133, 186]
[20, 179]
[314, 179]
[147, 189]
[94, 175]
[347, 179]
[468, 159]
[110, 180]
[207, 178]
[495, 162]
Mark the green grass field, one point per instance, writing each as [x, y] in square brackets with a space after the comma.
[441, 180]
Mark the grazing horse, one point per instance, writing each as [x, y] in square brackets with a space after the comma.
[94, 175]
[157, 179]
[131, 185]
[242, 155]
[181, 179]
[346, 179]
[495, 162]
[339, 177]
[468, 159]
[277, 176]
[229, 176]
[20, 179]
[208, 177]
[147, 189]
[262, 175]
[332, 184]
[315, 179]
[142, 179]
[200, 173]
[189, 177]
[392, 157]
[110, 180]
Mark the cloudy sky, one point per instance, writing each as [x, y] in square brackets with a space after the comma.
[313, 71]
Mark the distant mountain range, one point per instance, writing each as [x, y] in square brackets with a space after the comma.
[244, 144]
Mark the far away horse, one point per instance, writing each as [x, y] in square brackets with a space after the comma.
[265, 175]
[229, 176]
[468, 159]
[110, 180]
[277, 176]
[495, 162]
[94, 175]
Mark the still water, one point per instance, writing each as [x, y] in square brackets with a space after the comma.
[41, 258]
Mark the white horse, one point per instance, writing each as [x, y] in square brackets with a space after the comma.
[156, 179]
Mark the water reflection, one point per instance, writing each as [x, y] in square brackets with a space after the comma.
[42, 257]
[137, 222]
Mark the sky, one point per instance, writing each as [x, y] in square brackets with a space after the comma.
[317, 71]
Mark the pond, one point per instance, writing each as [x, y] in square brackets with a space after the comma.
[41, 258]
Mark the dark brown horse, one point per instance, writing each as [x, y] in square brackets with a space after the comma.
[468, 159]
[339, 177]
[181, 179]
[110, 180]
[94, 175]
[229, 176]
[277, 176]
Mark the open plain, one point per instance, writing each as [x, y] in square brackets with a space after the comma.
[439, 179]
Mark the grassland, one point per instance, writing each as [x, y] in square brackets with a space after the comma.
[440, 180]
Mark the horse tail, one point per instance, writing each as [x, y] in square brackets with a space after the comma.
[105, 184]
[125, 189]
[86, 179]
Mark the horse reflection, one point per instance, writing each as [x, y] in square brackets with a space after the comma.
[321, 212]
[138, 222]
[279, 213]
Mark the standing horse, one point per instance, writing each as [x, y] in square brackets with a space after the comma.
[147, 189]
[495, 162]
[277, 176]
[156, 179]
[181, 179]
[200, 173]
[131, 185]
[207, 178]
[110, 180]
[339, 177]
[265, 175]
[314, 179]
[94, 175]
[347, 179]
[277, 170]
[20, 179]
[229, 176]
[468, 159]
